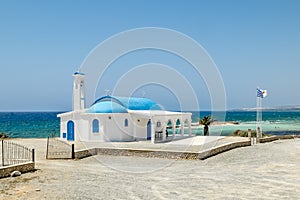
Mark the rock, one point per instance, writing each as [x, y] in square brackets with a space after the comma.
[15, 173]
[37, 190]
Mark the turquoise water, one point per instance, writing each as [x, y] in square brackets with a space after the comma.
[29, 124]
[274, 122]
[42, 124]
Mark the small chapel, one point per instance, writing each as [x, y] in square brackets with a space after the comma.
[120, 119]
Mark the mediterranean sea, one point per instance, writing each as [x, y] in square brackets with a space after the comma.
[43, 124]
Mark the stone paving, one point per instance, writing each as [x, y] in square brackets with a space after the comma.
[186, 143]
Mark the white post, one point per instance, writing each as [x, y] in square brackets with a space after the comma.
[182, 127]
[174, 127]
[164, 131]
[152, 131]
[190, 129]
[249, 135]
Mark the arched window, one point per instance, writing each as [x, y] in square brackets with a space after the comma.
[95, 126]
[126, 122]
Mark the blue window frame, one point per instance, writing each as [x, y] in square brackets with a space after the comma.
[95, 126]
[126, 122]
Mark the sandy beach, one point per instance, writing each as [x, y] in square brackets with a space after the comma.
[263, 171]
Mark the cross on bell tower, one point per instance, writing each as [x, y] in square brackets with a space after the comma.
[107, 92]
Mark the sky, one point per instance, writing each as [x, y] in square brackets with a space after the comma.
[253, 43]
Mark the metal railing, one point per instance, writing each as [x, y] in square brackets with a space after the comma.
[58, 149]
[12, 153]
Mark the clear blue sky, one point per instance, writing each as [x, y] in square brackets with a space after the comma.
[253, 43]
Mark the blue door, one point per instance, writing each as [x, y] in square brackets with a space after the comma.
[149, 130]
[70, 130]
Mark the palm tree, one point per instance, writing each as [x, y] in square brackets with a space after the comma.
[206, 120]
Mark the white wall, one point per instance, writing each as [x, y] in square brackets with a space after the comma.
[111, 126]
[114, 127]
[82, 129]
[140, 128]
[63, 126]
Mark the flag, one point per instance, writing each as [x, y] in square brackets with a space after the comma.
[261, 93]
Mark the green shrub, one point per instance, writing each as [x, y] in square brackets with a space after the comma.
[3, 135]
[241, 133]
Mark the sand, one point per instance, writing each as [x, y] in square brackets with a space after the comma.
[263, 171]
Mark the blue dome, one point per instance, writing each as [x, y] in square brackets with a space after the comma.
[106, 107]
[130, 103]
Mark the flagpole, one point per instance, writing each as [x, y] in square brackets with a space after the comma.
[259, 97]
[258, 116]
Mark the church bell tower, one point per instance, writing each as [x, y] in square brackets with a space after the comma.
[78, 91]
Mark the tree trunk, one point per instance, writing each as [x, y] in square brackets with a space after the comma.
[206, 133]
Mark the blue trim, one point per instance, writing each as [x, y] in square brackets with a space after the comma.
[107, 107]
[95, 126]
[109, 99]
[70, 130]
[149, 130]
[79, 73]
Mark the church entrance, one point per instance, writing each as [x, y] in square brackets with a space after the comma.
[149, 130]
[70, 130]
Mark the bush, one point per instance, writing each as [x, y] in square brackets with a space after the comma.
[3, 135]
[241, 133]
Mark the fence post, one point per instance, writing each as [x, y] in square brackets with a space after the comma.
[73, 151]
[2, 152]
[249, 135]
[249, 132]
[258, 135]
[47, 148]
[33, 155]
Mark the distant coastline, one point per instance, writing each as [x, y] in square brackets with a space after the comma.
[278, 108]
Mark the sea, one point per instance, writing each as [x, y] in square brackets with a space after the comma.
[44, 124]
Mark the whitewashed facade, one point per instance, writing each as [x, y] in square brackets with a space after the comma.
[113, 118]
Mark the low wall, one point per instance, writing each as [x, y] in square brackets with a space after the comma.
[85, 153]
[23, 168]
[160, 153]
[222, 148]
[278, 137]
[268, 139]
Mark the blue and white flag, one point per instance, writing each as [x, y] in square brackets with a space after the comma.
[261, 93]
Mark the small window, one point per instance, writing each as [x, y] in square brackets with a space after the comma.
[64, 135]
[126, 123]
[158, 124]
[95, 126]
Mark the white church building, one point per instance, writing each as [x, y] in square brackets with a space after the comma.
[113, 119]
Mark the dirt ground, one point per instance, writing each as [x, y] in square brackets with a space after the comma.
[263, 171]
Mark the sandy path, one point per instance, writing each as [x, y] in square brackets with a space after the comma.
[264, 171]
